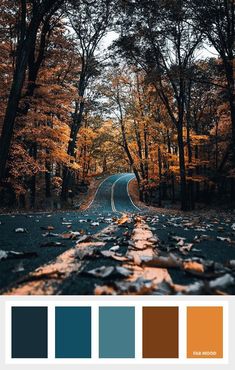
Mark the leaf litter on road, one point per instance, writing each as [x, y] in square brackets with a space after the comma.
[138, 254]
[146, 258]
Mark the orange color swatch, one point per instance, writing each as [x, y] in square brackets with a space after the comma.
[205, 332]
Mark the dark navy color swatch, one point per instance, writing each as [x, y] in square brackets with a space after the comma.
[29, 332]
[117, 332]
[73, 332]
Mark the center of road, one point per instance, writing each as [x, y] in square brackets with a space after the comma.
[113, 195]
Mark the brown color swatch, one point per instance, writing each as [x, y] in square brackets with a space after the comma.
[160, 332]
[205, 332]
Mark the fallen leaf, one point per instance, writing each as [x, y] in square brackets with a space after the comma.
[84, 238]
[110, 271]
[19, 268]
[186, 248]
[113, 255]
[232, 263]
[163, 262]
[104, 290]
[3, 255]
[52, 244]
[94, 223]
[115, 248]
[224, 239]
[123, 220]
[49, 234]
[20, 230]
[48, 228]
[193, 266]
[16, 255]
[84, 253]
[177, 238]
[222, 282]
[70, 235]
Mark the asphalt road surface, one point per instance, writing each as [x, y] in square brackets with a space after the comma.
[30, 241]
[113, 196]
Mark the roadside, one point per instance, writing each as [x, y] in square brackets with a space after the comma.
[134, 194]
[78, 202]
[204, 212]
[83, 200]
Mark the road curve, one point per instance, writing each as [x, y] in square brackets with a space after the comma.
[112, 195]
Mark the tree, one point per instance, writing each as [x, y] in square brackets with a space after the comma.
[90, 22]
[216, 19]
[163, 43]
[41, 132]
[31, 15]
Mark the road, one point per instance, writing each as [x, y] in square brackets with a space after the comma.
[59, 253]
[113, 196]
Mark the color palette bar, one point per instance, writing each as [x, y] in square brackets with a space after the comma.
[117, 332]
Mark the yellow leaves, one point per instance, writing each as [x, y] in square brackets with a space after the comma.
[197, 178]
[87, 134]
[199, 139]
[193, 266]
[175, 169]
[123, 220]
[21, 164]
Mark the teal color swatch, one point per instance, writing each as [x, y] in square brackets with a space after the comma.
[73, 332]
[116, 332]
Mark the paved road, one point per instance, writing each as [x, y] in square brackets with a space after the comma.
[110, 199]
[208, 238]
[113, 195]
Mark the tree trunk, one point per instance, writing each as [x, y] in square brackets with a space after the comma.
[12, 106]
[77, 121]
[33, 178]
[160, 177]
[48, 180]
[25, 46]
[231, 90]
[183, 182]
[191, 202]
[173, 188]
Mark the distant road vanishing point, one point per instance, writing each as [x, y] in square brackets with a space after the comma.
[113, 195]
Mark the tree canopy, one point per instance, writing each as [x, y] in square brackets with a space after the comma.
[154, 102]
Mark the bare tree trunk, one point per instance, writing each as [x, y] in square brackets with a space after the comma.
[183, 182]
[33, 153]
[48, 180]
[160, 177]
[77, 121]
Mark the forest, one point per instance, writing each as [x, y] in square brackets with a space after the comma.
[91, 88]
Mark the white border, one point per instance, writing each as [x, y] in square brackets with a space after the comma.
[95, 332]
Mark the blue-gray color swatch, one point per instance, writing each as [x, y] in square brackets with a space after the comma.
[116, 332]
[73, 332]
[29, 332]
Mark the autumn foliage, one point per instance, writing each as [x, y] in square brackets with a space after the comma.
[155, 102]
